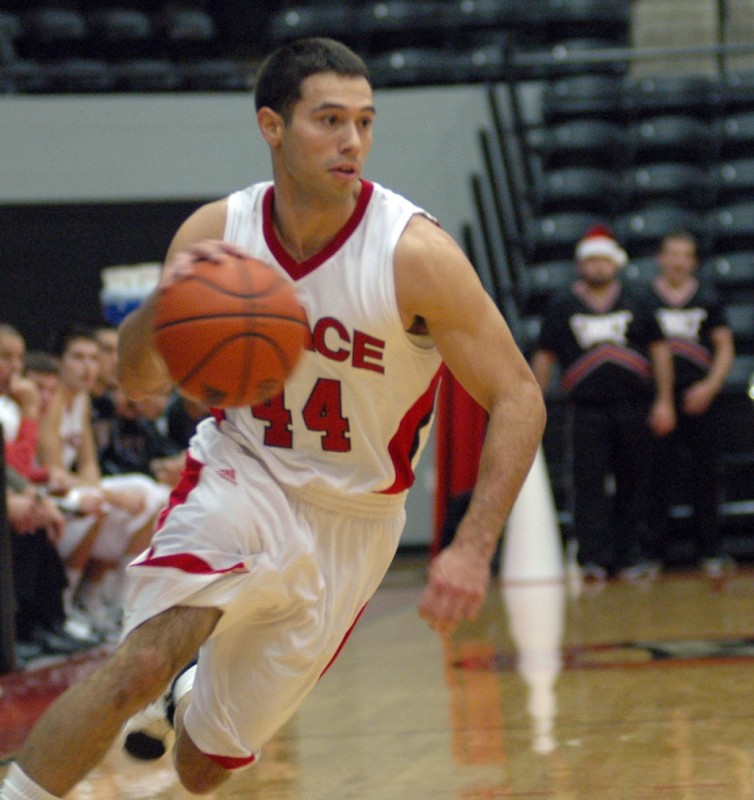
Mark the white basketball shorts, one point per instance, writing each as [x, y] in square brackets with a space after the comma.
[291, 578]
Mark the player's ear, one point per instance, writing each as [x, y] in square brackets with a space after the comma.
[270, 124]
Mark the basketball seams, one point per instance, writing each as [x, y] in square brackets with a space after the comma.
[231, 332]
[240, 315]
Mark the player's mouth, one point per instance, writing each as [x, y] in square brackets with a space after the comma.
[345, 171]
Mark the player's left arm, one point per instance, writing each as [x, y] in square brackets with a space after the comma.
[436, 284]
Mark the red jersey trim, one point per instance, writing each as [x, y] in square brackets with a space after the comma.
[404, 443]
[296, 269]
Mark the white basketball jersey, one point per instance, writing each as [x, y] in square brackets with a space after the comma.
[355, 414]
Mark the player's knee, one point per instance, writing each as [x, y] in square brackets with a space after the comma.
[142, 674]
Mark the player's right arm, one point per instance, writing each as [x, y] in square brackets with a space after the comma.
[141, 369]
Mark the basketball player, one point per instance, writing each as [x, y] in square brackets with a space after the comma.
[289, 513]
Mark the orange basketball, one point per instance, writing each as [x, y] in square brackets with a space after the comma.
[230, 332]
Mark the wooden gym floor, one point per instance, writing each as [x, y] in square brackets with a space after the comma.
[635, 692]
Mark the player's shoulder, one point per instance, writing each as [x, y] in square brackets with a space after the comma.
[206, 222]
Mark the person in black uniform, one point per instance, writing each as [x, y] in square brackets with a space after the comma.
[691, 317]
[618, 381]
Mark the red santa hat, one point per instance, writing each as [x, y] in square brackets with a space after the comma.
[600, 241]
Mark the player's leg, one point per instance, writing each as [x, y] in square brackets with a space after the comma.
[198, 773]
[77, 730]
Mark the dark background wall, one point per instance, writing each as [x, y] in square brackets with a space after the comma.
[53, 254]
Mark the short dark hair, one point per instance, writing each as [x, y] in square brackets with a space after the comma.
[61, 340]
[278, 81]
[41, 362]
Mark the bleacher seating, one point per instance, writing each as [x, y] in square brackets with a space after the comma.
[646, 156]
[404, 41]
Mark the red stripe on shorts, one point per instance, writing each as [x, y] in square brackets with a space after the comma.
[189, 479]
[343, 642]
[188, 562]
[227, 762]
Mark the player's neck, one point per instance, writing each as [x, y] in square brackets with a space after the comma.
[306, 224]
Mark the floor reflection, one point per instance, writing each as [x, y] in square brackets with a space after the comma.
[536, 618]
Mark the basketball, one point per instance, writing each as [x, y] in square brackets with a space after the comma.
[230, 332]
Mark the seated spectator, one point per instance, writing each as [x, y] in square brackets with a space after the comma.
[39, 578]
[138, 440]
[19, 402]
[119, 511]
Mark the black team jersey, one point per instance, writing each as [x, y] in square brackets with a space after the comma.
[604, 355]
[688, 325]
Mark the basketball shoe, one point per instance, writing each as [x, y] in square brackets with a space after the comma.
[149, 733]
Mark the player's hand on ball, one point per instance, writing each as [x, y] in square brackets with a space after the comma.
[181, 264]
[456, 589]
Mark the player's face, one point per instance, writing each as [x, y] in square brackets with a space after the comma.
[79, 365]
[677, 260]
[108, 356]
[598, 271]
[47, 384]
[11, 359]
[327, 140]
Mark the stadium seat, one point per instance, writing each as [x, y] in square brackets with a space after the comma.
[604, 19]
[730, 227]
[478, 15]
[121, 33]
[480, 62]
[217, 75]
[412, 66]
[695, 95]
[578, 189]
[641, 230]
[51, 33]
[543, 280]
[738, 91]
[740, 318]
[590, 96]
[187, 33]
[673, 138]
[732, 274]
[736, 135]
[147, 75]
[81, 76]
[10, 30]
[575, 56]
[686, 184]
[553, 237]
[25, 76]
[297, 21]
[740, 377]
[734, 180]
[594, 142]
[641, 270]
